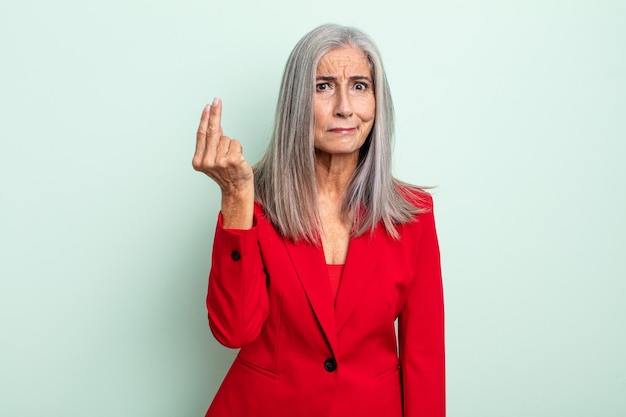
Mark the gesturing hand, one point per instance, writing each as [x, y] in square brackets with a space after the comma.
[221, 158]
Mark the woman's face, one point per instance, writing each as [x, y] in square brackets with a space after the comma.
[345, 104]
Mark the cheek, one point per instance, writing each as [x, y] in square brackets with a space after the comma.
[368, 109]
[318, 115]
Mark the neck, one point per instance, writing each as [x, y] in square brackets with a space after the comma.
[333, 173]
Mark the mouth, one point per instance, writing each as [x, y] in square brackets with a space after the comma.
[342, 130]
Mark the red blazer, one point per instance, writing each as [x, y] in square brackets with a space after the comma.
[303, 355]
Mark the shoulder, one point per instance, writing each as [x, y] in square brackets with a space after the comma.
[419, 198]
[260, 216]
[258, 209]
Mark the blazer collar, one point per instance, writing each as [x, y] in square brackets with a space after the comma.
[357, 275]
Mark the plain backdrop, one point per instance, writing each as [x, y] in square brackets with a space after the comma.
[515, 110]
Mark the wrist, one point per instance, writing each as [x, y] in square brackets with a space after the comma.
[238, 209]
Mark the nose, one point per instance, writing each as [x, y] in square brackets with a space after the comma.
[343, 104]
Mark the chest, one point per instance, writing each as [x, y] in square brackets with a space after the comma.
[335, 242]
[334, 232]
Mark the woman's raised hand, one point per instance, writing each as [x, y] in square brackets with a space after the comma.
[221, 158]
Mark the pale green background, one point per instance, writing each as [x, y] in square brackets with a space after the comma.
[515, 110]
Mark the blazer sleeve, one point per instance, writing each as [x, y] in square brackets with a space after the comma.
[237, 300]
[421, 329]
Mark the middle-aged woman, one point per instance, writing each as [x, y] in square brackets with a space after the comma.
[318, 250]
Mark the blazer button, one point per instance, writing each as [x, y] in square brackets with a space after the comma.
[330, 364]
[235, 255]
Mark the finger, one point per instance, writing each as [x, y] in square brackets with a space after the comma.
[201, 137]
[214, 128]
[222, 147]
[235, 148]
[214, 131]
[234, 156]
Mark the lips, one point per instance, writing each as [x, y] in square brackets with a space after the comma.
[342, 130]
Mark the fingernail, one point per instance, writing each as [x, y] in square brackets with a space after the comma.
[215, 101]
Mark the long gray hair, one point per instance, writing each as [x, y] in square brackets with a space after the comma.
[285, 177]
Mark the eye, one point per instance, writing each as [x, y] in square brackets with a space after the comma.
[361, 86]
[322, 86]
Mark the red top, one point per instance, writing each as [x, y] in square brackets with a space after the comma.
[334, 273]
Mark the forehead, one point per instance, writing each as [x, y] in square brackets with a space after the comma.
[348, 59]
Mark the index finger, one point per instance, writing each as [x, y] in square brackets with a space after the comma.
[201, 133]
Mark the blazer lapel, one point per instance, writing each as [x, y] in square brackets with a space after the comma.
[310, 266]
[357, 275]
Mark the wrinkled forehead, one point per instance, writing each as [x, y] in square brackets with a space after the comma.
[346, 59]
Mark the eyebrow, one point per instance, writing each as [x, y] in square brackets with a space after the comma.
[353, 78]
